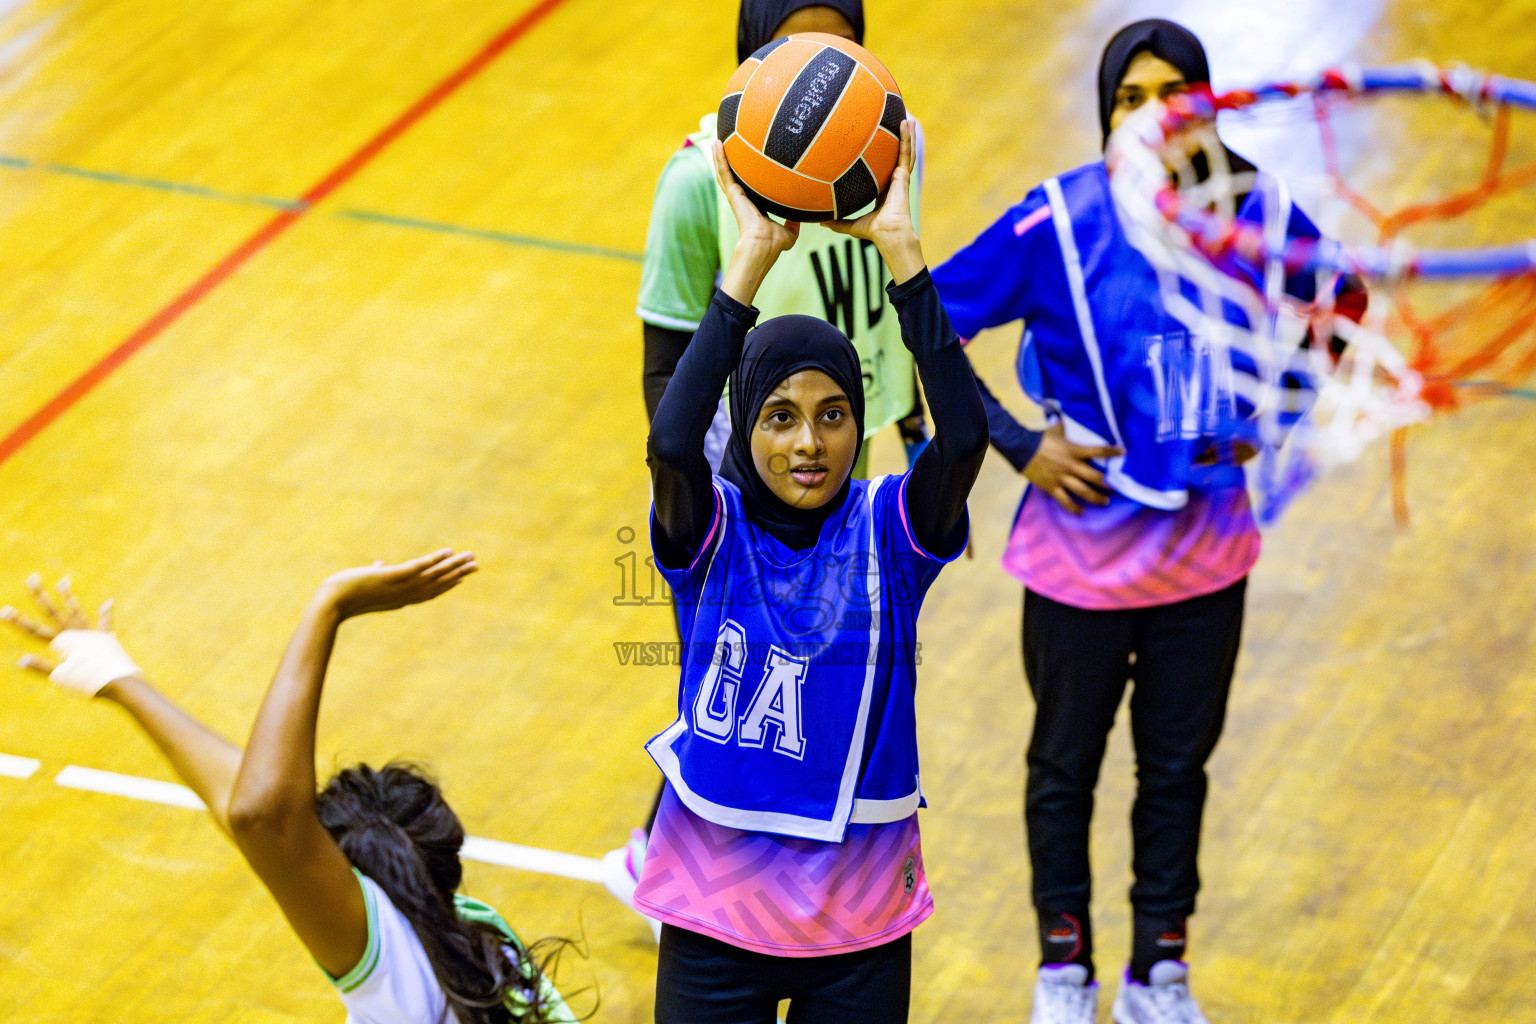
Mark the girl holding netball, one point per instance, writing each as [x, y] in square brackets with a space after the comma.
[365, 872]
[687, 245]
[1133, 540]
[785, 861]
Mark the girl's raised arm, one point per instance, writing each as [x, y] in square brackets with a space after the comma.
[94, 664]
[680, 476]
[265, 798]
[942, 476]
[272, 807]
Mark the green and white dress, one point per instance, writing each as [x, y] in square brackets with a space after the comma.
[393, 983]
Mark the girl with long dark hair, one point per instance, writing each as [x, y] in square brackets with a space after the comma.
[367, 871]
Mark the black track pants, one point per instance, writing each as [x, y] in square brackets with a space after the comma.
[1179, 660]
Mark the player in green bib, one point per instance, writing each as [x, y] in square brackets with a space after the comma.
[826, 275]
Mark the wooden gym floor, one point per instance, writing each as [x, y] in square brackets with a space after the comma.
[294, 284]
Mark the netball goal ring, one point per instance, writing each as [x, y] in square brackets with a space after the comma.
[1451, 277]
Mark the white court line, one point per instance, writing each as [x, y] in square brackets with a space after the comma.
[545, 862]
[132, 786]
[487, 851]
[18, 767]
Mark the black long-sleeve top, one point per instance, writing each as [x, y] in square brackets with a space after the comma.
[663, 348]
[1014, 440]
[940, 480]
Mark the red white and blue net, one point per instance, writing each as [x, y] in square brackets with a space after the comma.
[1325, 378]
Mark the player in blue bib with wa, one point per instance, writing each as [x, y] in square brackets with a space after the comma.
[1135, 537]
[784, 862]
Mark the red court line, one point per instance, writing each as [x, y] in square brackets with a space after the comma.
[155, 325]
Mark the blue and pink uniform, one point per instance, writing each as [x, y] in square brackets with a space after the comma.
[1147, 588]
[788, 828]
[795, 746]
[1103, 357]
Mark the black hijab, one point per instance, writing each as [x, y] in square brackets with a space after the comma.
[773, 351]
[759, 19]
[1166, 40]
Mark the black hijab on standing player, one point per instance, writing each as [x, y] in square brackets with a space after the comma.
[759, 19]
[773, 351]
[1168, 41]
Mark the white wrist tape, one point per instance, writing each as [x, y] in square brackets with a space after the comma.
[92, 659]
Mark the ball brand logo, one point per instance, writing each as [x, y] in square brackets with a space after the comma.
[815, 96]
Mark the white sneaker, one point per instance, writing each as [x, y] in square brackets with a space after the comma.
[1165, 1001]
[621, 873]
[1064, 995]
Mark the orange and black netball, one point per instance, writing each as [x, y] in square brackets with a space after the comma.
[811, 126]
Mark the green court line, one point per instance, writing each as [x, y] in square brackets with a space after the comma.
[500, 237]
[492, 236]
[271, 202]
[173, 186]
[1498, 389]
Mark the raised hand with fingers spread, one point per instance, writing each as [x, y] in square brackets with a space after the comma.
[91, 656]
[71, 616]
[380, 588]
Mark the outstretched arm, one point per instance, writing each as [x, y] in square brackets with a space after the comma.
[205, 761]
[272, 806]
[96, 665]
[265, 798]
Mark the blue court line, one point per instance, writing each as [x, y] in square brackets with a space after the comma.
[492, 236]
[271, 202]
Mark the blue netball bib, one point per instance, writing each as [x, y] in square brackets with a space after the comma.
[795, 709]
[1100, 352]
